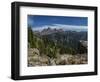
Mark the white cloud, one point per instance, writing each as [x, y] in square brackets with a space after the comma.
[30, 22]
[61, 26]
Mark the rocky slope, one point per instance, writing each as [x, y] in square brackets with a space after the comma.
[35, 59]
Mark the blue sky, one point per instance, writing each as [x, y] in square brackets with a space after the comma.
[40, 21]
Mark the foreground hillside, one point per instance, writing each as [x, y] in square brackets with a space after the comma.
[35, 59]
[56, 47]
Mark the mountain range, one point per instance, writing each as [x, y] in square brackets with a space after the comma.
[60, 41]
[61, 26]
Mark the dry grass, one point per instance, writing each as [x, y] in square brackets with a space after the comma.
[34, 59]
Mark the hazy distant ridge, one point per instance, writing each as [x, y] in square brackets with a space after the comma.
[61, 26]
